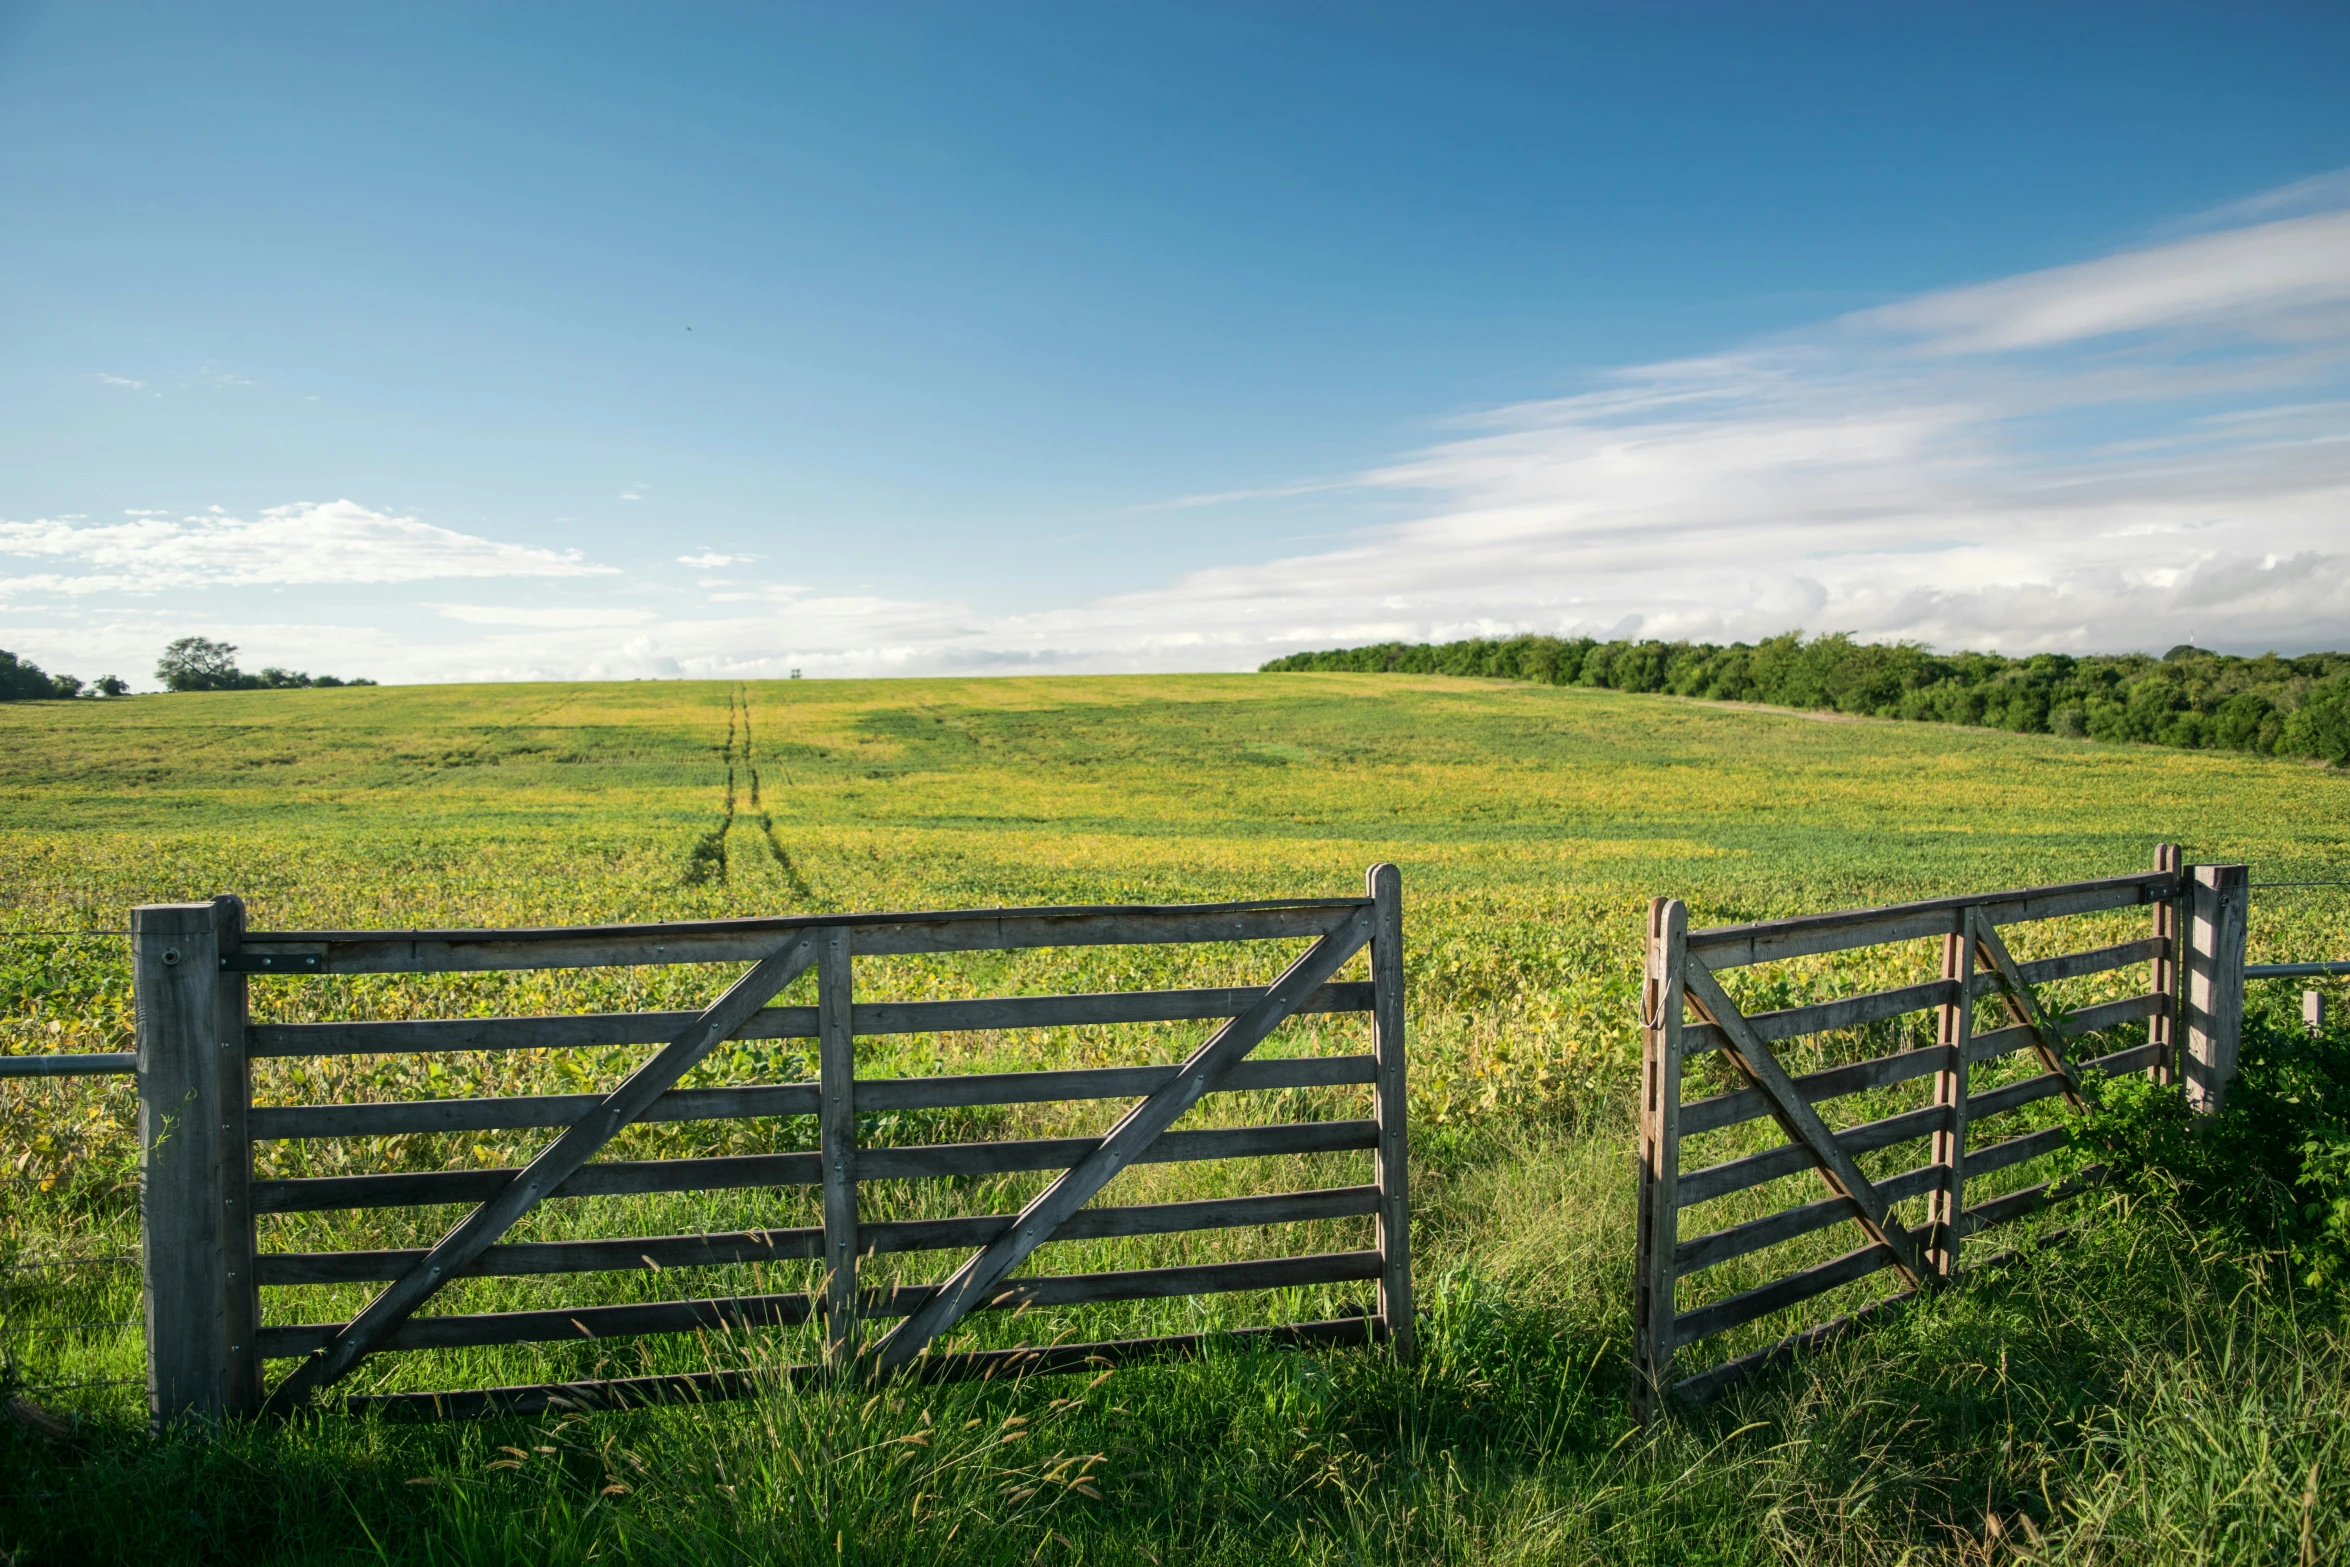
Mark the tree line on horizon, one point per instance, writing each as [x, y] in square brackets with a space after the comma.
[189, 664]
[2189, 697]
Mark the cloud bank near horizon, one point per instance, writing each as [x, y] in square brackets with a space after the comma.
[2147, 448]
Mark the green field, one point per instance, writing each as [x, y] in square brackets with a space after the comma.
[1532, 825]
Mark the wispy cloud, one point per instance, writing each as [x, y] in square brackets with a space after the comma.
[308, 543]
[1228, 497]
[2286, 281]
[552, 617]
[2122, 453]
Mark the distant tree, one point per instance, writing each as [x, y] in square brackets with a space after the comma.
[112, 685]
[21, 680]
[199, 664]
[65, 686]
[276, 679]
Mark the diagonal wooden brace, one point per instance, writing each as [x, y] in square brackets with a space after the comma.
[555, 1164]
[2023, 1005]
[975, 1281]
[1802, 1123]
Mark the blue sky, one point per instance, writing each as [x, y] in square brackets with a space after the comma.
[444, 343]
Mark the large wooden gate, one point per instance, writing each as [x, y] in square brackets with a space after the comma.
[2197, 935]
[206, 1274]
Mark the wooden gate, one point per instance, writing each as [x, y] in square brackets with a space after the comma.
[206, 1275]
[2197, 931]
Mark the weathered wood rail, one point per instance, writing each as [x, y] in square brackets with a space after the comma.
[2194, 961]
[209, 1346]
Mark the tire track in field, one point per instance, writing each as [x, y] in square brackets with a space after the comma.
[709, 859]
[782, 857]
[706, 861]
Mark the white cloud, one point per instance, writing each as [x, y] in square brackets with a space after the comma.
[559, 617]
[309, 543]
[2123, 453]
[2286, 279]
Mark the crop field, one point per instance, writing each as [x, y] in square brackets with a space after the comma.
[2090, 1404]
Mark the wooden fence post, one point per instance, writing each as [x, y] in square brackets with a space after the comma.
[1954, 1031]
[836, 1073]
[1660, 1158]
[2162, 1028]
[194, 1162]
[2215, 983]
[1385, 884]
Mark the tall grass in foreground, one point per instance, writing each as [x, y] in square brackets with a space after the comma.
[2149, 1394]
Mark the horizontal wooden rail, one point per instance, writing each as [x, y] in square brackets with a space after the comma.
[1879, 1006]
[737, 941]
[1765, 941]
[1747, 1104]
[1818, 1018]
[2022, 1204]
[2294, 970]
[280, 1122]
[685, 1316]
[2080, 965]
[1708, 1385]
[1736, 1175]
[2016, 1150]
[91, 1063]
[1736, 1310]
[1705, 1251]
[523, 1258]
[541, 1327]
[2109, 1014]
[982, 1365]
[633, 1177]
[870, 1019]
[414, 1117]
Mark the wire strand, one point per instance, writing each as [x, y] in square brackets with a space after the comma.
[71, 1262]
[9, 934]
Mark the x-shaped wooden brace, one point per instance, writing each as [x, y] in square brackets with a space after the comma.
[976, 1281]
[1802, 1123]
[2023, 1005]
[557, 1163]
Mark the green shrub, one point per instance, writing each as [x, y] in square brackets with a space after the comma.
[2271, 1169]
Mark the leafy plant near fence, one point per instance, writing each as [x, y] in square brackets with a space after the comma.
[2189, 697]
[2271, 1169]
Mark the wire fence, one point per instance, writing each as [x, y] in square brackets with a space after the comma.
[22, 1328]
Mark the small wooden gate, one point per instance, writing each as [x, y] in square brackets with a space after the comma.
[2198, 932]
[206, 1274]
